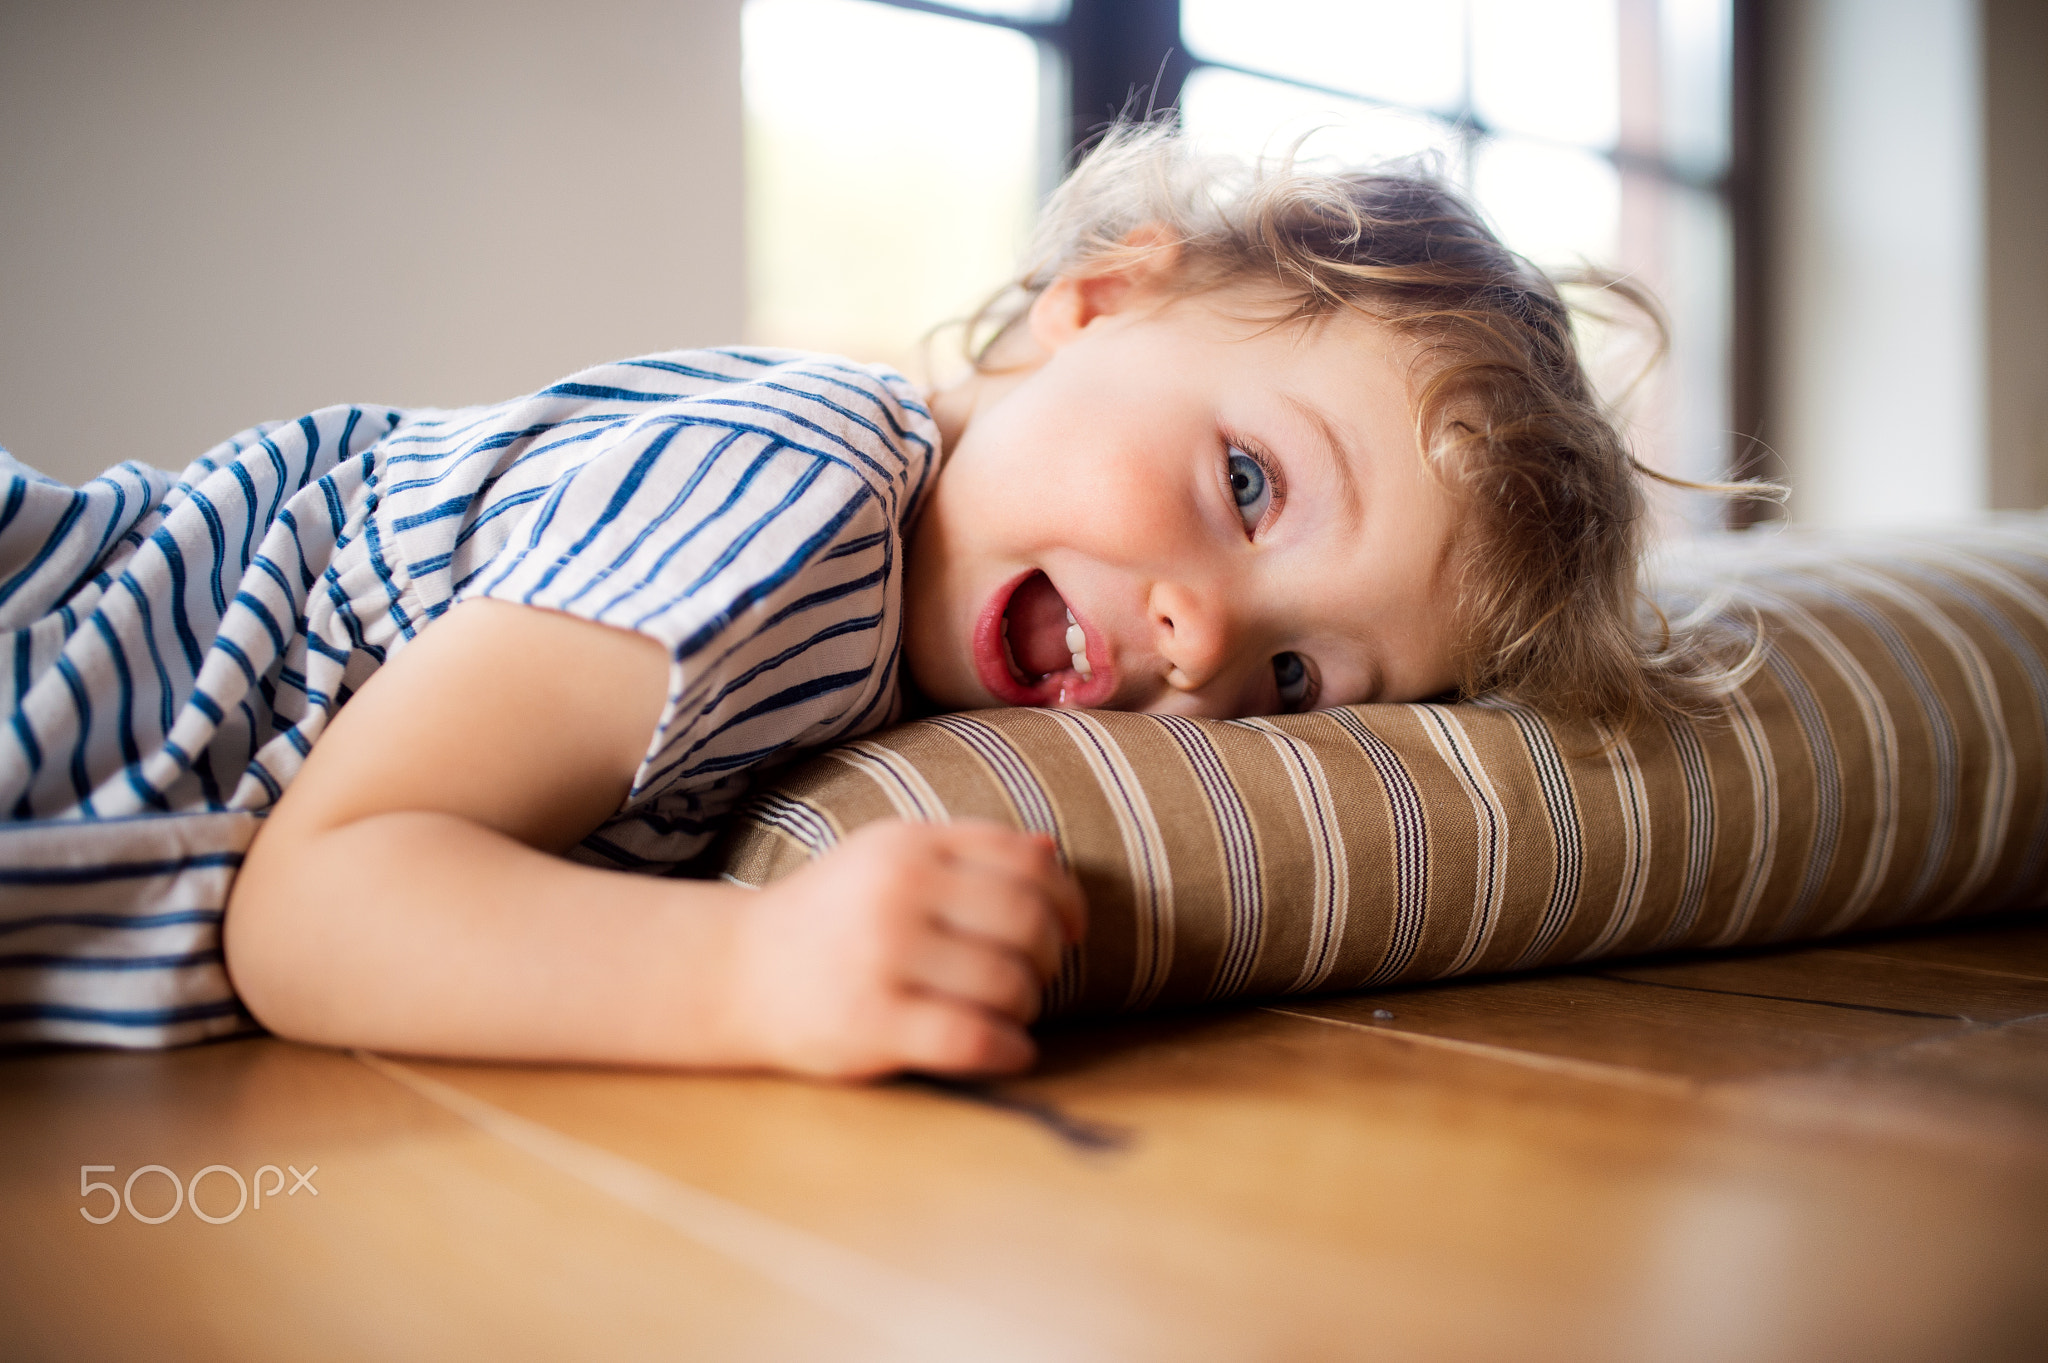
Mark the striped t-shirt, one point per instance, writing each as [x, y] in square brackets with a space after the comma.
[178, 643]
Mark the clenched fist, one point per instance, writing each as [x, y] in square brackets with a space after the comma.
[910, 946]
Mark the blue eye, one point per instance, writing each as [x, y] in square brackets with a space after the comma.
[1248, 486]
[1291, 674]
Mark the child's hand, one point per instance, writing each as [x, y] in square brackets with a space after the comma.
[910, 946]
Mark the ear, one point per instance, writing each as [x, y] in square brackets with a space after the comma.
[1135, 276]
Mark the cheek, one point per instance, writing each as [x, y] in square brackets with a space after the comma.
[1061, 465]
[1095, 502]
[1138, 499]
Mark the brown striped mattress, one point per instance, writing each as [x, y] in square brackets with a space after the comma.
[1887, 765]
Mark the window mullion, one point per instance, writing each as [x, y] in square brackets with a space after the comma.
[1122, 56]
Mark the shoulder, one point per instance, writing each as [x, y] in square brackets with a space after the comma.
[867, 418]
[694, 486]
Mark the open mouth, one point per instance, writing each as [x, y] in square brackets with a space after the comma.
[1030, 649]
[1039, 635]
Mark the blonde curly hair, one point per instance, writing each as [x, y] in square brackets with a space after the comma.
[1551, 607]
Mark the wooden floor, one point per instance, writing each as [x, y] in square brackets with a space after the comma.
[1829, 1153]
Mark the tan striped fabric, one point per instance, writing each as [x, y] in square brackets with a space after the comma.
[1888, 765]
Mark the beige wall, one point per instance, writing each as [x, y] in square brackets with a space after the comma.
[1879, 304]
[214, 212]
[2016, 248]
[1909, 351]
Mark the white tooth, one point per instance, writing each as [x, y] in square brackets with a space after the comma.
[1081, 666]
[1070, 618]
[1077, 642]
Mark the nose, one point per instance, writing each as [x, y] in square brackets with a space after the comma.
[1192, 632]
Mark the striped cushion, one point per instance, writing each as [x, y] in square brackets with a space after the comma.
[1887, 765]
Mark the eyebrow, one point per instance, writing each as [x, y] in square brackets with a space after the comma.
[1335, 449]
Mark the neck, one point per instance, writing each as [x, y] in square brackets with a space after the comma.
[953, 407]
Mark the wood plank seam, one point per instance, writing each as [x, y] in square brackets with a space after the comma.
[1859, 1058]
[1595, 1070]
[1946, 965]
[918, 1317]
[1618, 978]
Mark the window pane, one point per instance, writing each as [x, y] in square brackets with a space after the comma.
[1556, 205]
[1400, 51]
[1249, 117]
[1694, 36]
[892, 171]
[1547, 70]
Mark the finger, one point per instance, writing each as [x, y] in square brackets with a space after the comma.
[944, 1037]
[1027, 856]
[973, 971]
[1030, 857]
[975, 904]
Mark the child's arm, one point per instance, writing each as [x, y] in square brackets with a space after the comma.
[403, 895]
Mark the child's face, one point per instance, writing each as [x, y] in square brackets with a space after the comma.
[1236, 516]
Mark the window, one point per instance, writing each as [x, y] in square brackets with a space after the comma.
[897, 148]
[893, 168]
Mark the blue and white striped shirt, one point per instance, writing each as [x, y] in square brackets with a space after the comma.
[179, 643]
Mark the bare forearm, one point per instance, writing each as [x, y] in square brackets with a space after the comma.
[427, 933]
[403, 894]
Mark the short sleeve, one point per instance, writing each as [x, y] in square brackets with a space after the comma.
[753, 527]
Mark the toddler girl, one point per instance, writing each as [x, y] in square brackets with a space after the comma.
[385, 704]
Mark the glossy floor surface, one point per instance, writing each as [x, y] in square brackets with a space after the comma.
[1835, 1152]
